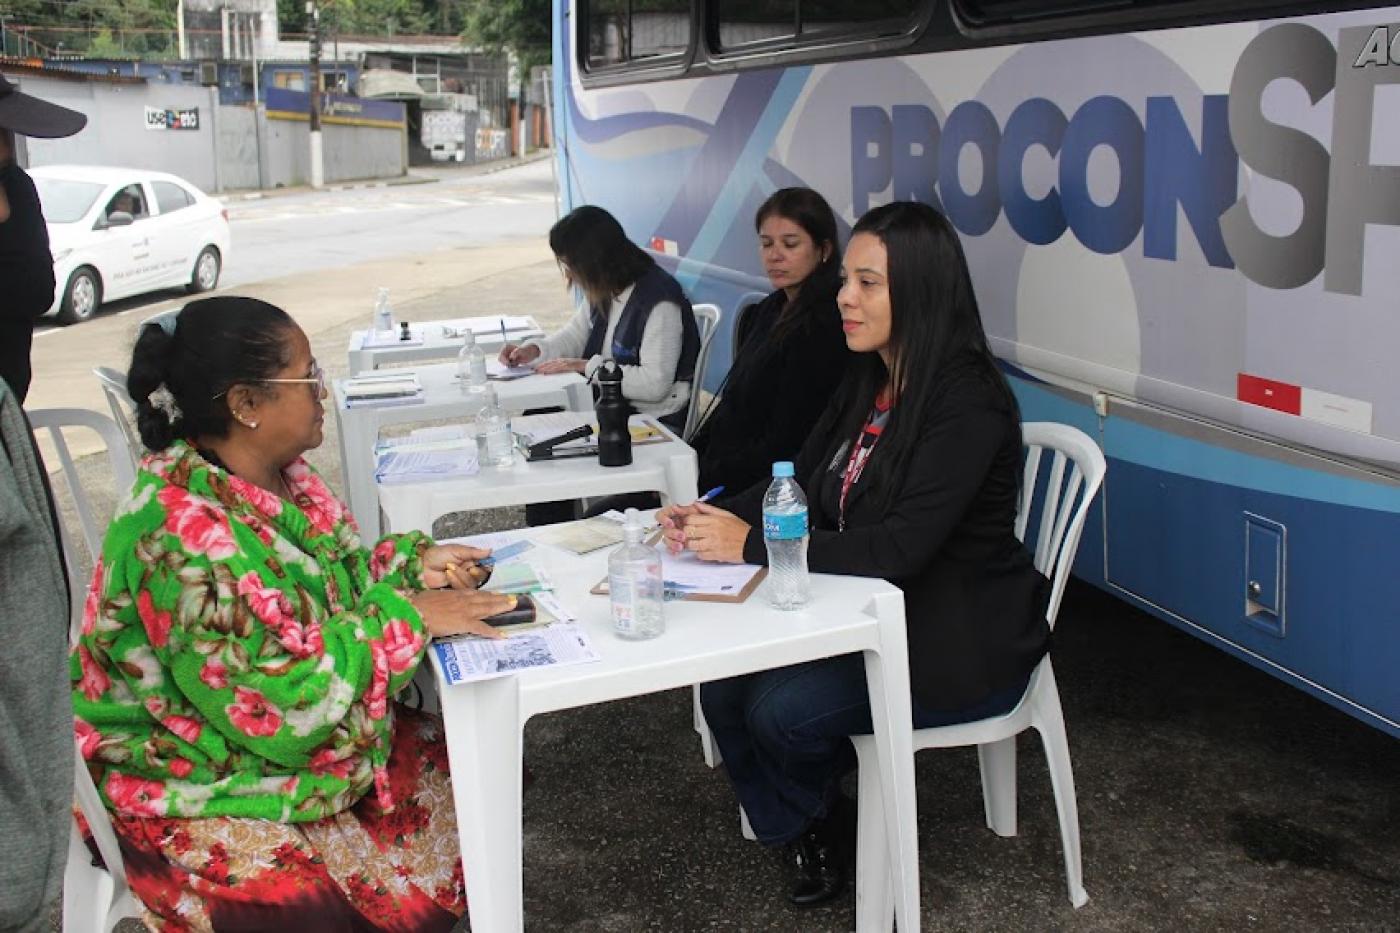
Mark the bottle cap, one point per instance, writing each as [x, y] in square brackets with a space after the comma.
[783, 468]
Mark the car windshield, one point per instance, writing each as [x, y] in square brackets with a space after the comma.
[66, 201]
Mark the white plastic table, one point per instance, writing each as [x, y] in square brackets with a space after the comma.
[435, 344]
[484, 721]
[668, 468]
[360, 426]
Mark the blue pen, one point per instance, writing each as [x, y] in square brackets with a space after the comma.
[504, 338]
[711, 494]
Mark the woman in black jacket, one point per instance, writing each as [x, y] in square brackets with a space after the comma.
[912, 475]
[789, 351]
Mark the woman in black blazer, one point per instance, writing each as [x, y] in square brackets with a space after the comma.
[789, 355]
[912, 475]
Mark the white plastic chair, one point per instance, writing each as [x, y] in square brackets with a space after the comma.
[54, 420]
[123, 409]
[1076, 471]
[744, 311]
[707, 318]
[94, 899]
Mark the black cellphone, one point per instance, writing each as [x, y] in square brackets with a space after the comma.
[523, 613]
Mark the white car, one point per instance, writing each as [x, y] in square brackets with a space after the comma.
[116, 232]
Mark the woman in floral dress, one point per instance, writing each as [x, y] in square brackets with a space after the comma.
[233, 683]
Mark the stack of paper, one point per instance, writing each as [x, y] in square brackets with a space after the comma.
[426, 455]
[495, 369]
[582, 537]
[390, 388]
[531, 429]
[465, 659]
[515, 327]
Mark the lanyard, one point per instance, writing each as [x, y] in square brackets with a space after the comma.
[855, 465]
[861, 451]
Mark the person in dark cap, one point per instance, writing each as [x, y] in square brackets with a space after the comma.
[26, 266]
[37, 756]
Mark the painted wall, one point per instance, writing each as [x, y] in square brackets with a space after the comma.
[222, 153]
[350, 153]
[117, 132]
[237, 149]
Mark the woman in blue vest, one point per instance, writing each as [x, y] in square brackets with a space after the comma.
[636, 315]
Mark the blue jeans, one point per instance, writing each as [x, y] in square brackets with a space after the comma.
[785, 736]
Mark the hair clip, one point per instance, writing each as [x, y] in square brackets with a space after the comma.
[162, 400]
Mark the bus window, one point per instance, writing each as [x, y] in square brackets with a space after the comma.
[740, 23]
[625, 31]
[999, 12]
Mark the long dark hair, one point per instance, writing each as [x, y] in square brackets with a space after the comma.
[808, 210]
[212, 344]
[935, 333]
[600, 258]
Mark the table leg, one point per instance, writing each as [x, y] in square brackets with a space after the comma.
[887, 674]
[682, 477]
[709, 748]
[358, 432]
[579, 396]
[359, 362]
[483, 728]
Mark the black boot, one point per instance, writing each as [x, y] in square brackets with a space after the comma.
[819, 864]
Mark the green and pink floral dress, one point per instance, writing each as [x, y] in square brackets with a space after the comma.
[233, 684]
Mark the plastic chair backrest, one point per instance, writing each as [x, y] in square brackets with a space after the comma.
[123, 408]
[54, 420]
[707, 318]
[743, 313]
[90, 901]
[159, 318]
[1075, 472]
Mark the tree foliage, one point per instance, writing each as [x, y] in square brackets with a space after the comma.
[519, 26]
[146, 28]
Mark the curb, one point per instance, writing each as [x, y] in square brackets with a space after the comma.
[488, 168]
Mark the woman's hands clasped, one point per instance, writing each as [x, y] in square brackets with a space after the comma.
[712, 534]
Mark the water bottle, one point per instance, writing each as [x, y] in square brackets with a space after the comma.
[494, 444]
[635, 584]
[471, 371]
[614, 439]
[383, 313]
[785, 533]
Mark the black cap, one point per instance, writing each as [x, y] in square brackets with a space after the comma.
[30, 116]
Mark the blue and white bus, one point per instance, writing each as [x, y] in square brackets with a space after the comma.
[1183, 220]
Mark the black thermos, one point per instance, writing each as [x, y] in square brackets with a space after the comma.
[614, 440]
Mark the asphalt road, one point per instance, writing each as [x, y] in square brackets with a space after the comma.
[297, 232]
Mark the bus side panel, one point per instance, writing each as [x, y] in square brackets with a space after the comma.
[1188, 515]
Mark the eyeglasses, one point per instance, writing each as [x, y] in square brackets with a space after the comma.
[317, 379]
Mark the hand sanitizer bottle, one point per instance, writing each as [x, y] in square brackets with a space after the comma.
[635, 584]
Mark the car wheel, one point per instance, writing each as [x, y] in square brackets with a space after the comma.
[206, 271]
[82, 297]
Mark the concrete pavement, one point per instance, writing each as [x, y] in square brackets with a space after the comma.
[445, 284]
